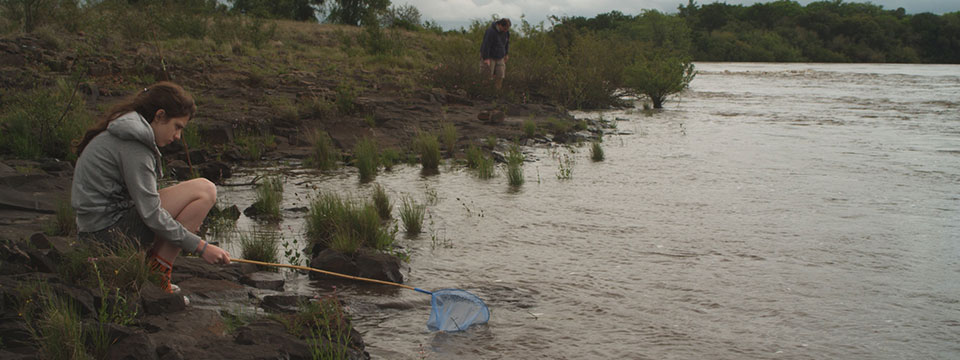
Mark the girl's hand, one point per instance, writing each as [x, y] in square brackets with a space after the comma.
[215, 255]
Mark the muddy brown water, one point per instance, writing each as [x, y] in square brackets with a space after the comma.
[776, 211]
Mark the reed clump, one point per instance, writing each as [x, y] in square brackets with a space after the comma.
[268, 196]
[325, 155]
[411, 215]
[596, 151]
[428, 147]
[515, 160]
[367, 158]
[346, 225]
[382, 203]
[260, 245]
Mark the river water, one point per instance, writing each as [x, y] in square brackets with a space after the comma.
[775, 211]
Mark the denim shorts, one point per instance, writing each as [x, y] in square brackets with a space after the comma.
[129, 229]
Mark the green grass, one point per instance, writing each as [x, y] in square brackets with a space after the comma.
[389, 158]
[565, 167]
[367, 157]
[346, 225]
[64, 222]
[448, 132]
[55, 324]
[253, 146]
[474, 156]
[529, 128]
[43, 122]
[485, 168]
[382, 202]
[515, 166]
[325, 155]
[269, 195]
[596, 151]
[427, 146]
[260, 245]
[411, 215]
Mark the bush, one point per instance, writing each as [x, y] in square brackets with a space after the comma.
[659, 76]
[43, 122]
[485, 168]
[474, 156]
[366, 157]
[411, 214]
[529, 128]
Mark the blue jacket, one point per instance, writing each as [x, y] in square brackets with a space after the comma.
[496, 44]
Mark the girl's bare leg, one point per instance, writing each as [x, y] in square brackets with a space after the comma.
[188, 202]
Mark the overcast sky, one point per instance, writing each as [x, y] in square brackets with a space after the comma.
[452, 14]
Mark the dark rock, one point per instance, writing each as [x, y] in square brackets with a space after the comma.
[41, 262]
[13, 260]
[458, 100]
[170, 353]
[216, 133]
[57, 167]
[179, 170]
[18, 354]
[80, 296]
[197, 156]
[215, 171]
[271, 335]
[283, 303]
[156, 301]
[40, 241]
[264, 280]
[138, 346]
[483, 115]
[363, 264]
[196, 267]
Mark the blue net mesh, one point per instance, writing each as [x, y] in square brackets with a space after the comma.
[456, 310]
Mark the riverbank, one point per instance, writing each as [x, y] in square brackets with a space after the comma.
[255, 105]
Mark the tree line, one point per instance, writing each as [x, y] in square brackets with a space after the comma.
[785, 31]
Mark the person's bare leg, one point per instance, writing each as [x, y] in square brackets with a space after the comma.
[188, 202]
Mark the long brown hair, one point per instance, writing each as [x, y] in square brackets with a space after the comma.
[165, 95]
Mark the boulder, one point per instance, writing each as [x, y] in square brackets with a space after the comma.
[215, 171]
[264, 280]
[156, 301]
[138, 346]
[362, 263]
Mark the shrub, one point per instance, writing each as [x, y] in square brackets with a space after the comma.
[260, 245]
[43, 122]
[325, 155]
[382, 202]
[346, 97]
[269, 195]
[596, 151]
[659, 76]
[411, 214]
[429, 149]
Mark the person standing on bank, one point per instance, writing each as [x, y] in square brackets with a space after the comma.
[495, 48]
[115, 191]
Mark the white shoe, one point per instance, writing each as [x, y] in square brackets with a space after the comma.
[174, 289]
[186, 301]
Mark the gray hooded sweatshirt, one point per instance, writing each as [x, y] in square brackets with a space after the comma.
[118, 170]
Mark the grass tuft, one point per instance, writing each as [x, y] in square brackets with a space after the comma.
[269, 195]
[596, 151]
[382, 202]
[515, 166]
[429, 149]
[325, 155]
[366, 158]
[260, 245]
[411, 215]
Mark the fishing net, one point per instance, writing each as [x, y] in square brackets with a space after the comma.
[456, 310]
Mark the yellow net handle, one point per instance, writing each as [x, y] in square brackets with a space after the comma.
[324, 272]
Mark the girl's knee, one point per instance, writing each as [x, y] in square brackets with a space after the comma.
[209, 189]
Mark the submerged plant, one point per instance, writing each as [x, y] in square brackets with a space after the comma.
[429, 149]
[269, 195]
[565, 171]
[260, 245]
[345, 225]
[411, 214]
[596, 151]
[382, 202]
[367, 158]
[485, 168]
[515, 166]
[325, 155]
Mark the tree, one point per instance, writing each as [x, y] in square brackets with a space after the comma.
[356, 12]
[659, 77]
[300, 10]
